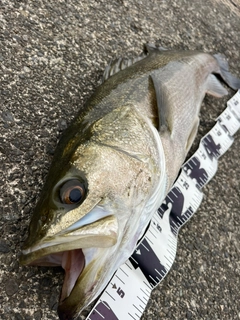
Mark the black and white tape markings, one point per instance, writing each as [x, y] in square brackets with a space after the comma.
[129, 290]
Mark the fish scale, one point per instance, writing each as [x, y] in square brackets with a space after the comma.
[124, 151]
[128, 292]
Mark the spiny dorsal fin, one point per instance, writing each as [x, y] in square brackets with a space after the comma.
[120, 64]
[151, 47]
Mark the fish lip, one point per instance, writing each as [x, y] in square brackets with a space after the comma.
[91, 255]
[71, 276]
[101, 234]
[94, 215]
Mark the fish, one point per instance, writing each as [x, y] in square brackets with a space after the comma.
[115, 163]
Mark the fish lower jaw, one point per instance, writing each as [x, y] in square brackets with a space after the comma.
[72, 261]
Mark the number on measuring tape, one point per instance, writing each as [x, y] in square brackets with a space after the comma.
[229, 121]
[128, 292]
[234, 104]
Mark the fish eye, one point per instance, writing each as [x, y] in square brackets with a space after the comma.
[72, 192]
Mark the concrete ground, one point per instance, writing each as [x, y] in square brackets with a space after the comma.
[52, 55]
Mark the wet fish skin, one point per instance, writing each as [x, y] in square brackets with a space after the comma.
[126, 148]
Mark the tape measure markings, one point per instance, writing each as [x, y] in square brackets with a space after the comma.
[129, 290]
[234, 104]
[102, 311]
[139, 301]
[229, 121]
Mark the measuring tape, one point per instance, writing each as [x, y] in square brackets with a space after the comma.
[129, 290]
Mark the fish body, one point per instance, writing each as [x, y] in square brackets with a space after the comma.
[115, 164]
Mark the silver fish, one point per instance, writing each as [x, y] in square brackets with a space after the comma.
[115, 164]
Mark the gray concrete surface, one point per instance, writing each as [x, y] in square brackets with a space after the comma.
[52, 55]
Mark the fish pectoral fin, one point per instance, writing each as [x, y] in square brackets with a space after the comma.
[232, 81]
[192, 135]
[214, 87]
[161, 100]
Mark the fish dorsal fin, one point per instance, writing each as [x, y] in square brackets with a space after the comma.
[150, 48]
[120, 64]
[162, 104]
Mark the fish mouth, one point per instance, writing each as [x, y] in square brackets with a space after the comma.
[73, 251]
[73, 263]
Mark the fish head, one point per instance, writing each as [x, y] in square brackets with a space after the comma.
[91, 213]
